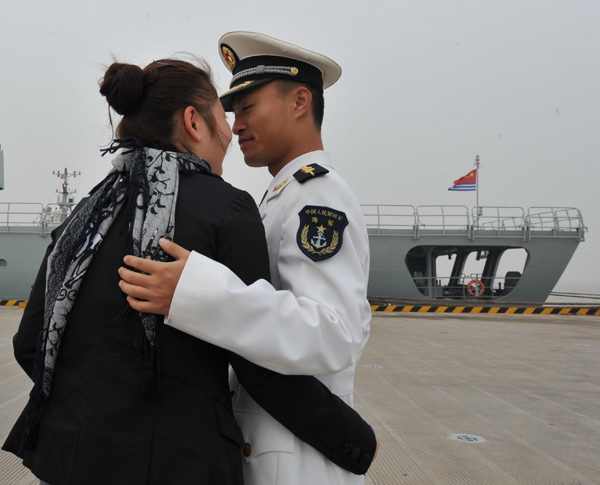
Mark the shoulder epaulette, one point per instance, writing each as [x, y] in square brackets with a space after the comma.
[309, 172]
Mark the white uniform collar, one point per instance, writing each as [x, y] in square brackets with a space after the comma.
[286, 174]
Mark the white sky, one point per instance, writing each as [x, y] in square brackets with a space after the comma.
[427, 85]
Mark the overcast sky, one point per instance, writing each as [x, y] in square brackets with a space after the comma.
[426, 86]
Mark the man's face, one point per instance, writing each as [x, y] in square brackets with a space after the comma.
[263, 126]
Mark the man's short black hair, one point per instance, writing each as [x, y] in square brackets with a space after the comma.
[317, 104]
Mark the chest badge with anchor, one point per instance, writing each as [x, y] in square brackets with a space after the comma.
[321, 231]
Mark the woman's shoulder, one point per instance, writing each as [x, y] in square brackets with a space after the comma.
[201, 186]
[209, 196]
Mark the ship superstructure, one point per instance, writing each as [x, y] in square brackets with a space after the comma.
[410, 246]
[25, 229]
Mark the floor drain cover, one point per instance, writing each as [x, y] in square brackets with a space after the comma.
[468, 438]
[371, 366]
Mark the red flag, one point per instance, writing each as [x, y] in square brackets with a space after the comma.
[467, 183]
[470, 178]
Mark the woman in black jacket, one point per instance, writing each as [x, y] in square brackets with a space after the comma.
[119, 397]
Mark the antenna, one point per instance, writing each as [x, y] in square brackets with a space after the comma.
[65, 198]
[479, 209]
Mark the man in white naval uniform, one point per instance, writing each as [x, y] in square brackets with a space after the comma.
[314, 318]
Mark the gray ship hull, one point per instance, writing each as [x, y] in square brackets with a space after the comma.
[24, 237]
[390, 276]
[406, 244]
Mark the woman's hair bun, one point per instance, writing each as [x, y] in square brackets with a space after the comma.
[123, 87]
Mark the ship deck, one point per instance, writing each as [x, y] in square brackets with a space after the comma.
[529, 385]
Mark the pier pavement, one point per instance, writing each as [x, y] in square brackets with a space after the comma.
[455, 399]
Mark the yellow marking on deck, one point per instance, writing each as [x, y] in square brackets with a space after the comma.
[448, 309]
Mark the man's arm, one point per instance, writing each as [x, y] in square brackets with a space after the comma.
[315, 330]
[313, 413]
[317, 326]
[274, 329]
[301, 403]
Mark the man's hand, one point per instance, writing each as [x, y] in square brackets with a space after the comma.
[153, 291]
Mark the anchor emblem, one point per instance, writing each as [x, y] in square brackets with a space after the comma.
[319, 241]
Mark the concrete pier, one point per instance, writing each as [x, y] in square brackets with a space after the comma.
[454, 398]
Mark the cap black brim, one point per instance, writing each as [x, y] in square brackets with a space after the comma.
[227, 97]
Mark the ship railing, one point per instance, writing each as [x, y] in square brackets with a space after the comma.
[442, 219]
[498, 221]
[482, 221]
[555, 222]
[466, 286]
[381, 217]
[25, 217]
[15, 215]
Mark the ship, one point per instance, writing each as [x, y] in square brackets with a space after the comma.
[424, 252]
[431, 253]
[25, 233]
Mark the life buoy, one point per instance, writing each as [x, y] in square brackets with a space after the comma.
[475, 288]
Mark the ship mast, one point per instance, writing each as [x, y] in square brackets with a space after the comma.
[479, 208]
[1, 168]
[64, 198]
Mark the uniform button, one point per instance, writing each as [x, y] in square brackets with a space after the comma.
[355, 453]
[247, 450]
[365, 460]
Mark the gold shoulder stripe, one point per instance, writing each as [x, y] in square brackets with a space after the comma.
[281, 184]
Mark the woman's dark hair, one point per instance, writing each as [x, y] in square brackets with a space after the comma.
[151, 98]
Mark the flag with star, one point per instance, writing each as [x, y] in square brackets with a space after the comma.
[468, 183]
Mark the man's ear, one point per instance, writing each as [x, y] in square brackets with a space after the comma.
[303, 100]
[191, 122]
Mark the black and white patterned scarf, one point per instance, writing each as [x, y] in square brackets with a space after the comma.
[148, 179]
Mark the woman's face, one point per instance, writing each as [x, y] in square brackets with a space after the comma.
[214, 147]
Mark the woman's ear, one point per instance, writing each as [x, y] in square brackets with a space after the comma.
[191, 123]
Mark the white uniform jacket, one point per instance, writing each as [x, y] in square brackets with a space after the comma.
[314, 319]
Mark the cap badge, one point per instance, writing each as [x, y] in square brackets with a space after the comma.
[229, 56]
